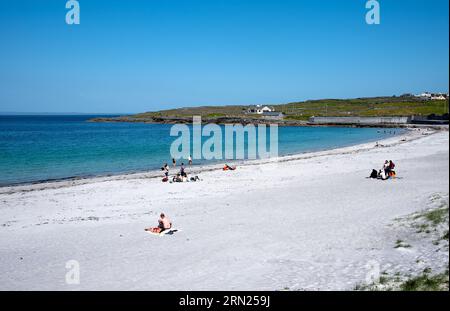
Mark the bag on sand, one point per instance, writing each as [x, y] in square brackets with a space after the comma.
[165, 179]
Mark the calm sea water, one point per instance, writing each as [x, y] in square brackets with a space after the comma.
[38, 148]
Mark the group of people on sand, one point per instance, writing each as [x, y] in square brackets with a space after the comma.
[181, 175]
[386, 172]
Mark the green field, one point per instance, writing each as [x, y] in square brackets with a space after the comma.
[366, 107]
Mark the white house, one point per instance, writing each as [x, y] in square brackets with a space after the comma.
[428, 95]
[439, 96]
[424, 95]
[258, 109]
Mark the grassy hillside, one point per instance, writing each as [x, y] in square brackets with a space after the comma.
[376, 106]
[206, 111]
[366, 107]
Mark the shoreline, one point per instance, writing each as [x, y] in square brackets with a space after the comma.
[409, 135]
[259, 121]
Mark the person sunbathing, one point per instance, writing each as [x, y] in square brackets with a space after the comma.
[177, 178]
[229, 168]
[164, 223]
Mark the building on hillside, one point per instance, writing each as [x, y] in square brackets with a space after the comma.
[439, 96]
[424, 95]
[259, 109]
[432, 96]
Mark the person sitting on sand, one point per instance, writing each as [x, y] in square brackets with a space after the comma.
[391, 165]
[391, 168]
[164, 223]
[229, 168]
[386, 168]
[177, 178]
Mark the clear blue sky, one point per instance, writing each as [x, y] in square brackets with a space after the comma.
[133, 56]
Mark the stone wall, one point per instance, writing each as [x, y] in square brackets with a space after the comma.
[359, 120]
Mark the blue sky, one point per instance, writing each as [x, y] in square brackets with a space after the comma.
[134, 56]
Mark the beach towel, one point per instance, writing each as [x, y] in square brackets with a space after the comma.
[157, 231]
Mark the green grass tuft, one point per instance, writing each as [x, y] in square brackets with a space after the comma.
[437, 216]
[425, 282]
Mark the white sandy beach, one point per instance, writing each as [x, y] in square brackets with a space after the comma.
[306, 222]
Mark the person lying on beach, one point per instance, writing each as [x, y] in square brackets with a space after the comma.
[229, 168]
[195, 178]
[164, 223]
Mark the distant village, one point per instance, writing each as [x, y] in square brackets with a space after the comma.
[269, 112]
[428, 96]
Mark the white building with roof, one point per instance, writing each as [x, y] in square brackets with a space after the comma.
[259, 109]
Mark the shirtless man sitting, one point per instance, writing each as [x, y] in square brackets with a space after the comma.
[164, 223]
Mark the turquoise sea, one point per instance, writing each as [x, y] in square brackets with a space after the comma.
[40, 148]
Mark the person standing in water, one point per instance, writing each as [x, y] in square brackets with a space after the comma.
[174, 162]
[190, 160]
